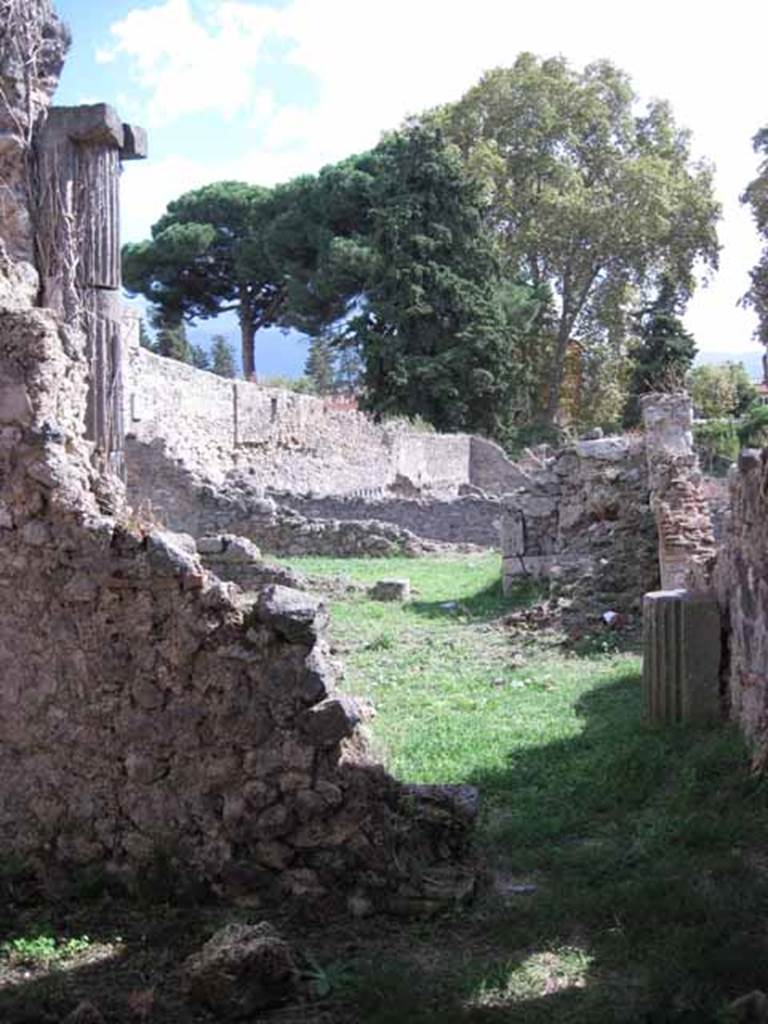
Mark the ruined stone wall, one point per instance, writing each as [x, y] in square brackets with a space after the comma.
[147, 710]
[469, 519]
[277, 438]
[491, 470]
[741, 584]
[584, 520]
[166, 491]
[679, 499]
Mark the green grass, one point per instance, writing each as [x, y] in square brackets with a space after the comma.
[627, 866]
[630, 863]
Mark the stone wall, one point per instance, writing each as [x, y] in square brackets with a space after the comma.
[584, 521]
[679, 500]
[469, 519]
[169, 493]
[491, 470]
[150, 711]
[280, 439]
[147, 710]
[741, 584]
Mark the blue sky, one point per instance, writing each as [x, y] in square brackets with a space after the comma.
[262, 91]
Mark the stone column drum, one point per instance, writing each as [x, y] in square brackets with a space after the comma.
[681, 657]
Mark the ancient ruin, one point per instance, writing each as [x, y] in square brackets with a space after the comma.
[147, 710]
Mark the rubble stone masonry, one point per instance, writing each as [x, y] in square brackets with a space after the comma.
[149, 710]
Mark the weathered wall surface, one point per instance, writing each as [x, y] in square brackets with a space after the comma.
[469, 519]
[741, 584]
[585, 520]
[279, 439]
[33, 44]
[491, 469]
[149, 710]
[145, 709]
[678, 497]
[166, 490]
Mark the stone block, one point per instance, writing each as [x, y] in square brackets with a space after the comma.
[391, 590]
[293, 614]
[213, 545]
[681, 656]
[331, 721]
[239, 549]
[242, 970]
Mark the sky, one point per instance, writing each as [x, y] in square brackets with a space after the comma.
[262, 91]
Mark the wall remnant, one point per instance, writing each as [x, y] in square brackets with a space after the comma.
[741, 584]
[583, 521]
[147, 709]
[678, 498]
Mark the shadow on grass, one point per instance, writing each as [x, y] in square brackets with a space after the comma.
[485, 605]
[648, 851]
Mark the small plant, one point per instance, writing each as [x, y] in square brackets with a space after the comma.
[382, 642]
[43, 950]
[322, 981]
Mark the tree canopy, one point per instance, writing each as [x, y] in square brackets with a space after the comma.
[664, 352]
[203, 259]
[588, 196]
[756, 196]
[721, 390]
[479, 267]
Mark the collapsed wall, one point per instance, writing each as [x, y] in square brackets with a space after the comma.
[149, 711]
[584, 522]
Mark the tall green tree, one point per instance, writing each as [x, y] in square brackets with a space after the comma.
[663, 354]
[320, 368]
[430, 330]
[222, 359]
[588, 195]
[204, 258]
[756, 196]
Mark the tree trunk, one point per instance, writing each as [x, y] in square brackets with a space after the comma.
[247, 332]
[557, 373]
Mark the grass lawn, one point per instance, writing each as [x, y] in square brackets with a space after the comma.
[630, 863]
[627, 865]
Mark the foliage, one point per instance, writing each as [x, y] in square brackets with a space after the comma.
[431, 330]
[43, 949]
[203, 259]
[722, 389]
[756, 197]
[302, 385]
[222, 358]
[589, 196]
[717, 444]
[663, 354]
[753, 428]
[320, 367]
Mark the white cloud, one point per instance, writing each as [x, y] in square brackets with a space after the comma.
[190, 64]
[375, 63]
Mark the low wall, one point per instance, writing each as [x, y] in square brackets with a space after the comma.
[465, 520]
